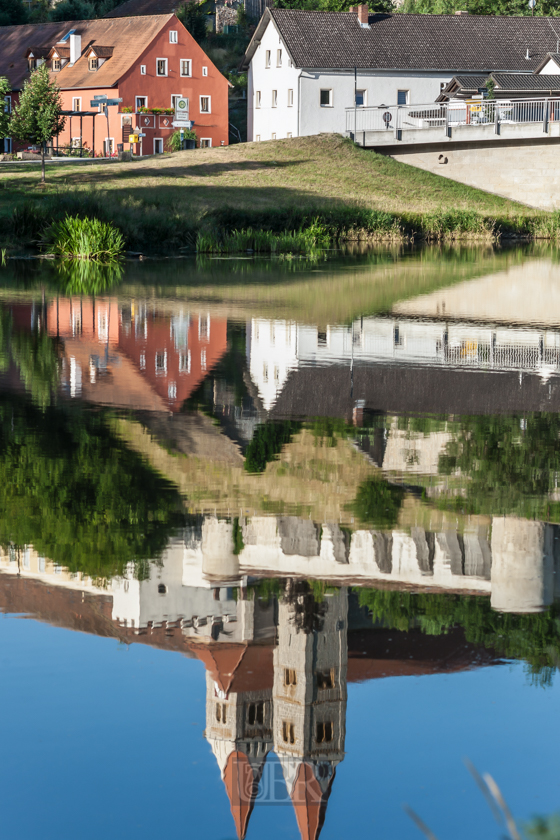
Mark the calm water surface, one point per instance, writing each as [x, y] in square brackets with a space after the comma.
[279, 545]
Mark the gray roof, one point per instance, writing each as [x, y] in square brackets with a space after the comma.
[457, 43]
[526, 81]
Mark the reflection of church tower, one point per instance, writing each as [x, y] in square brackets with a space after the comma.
[310, 699]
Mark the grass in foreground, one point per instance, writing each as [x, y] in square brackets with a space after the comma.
[163, 203]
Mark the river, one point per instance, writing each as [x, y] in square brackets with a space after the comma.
[280, 544]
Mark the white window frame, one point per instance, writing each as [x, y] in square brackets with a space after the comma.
[75, 142]
[189, 62]
[364, 104]
[77, 99]
[273, 136]
[176, 96]
[274, 99]
[7, 145]
[205, 71]
[289, 135]
[112, 141]
[209, 98]
[279, 58]
[161, 371]
[162, 75]
[185, 368]
[330, 92]
[257, 99]
[267, 59]
[207, 140]
[206, 317]
[173, 36]
[203, 359]
[257, 138]
[142, 69]
[290, 98]
[137, 106]
[407, 97]
[8, 105]
[158, 140]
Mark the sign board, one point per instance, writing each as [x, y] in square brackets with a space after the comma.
[183, 124]
[181, 110]
[113, 101]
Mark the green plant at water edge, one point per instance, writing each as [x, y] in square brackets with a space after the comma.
[87, 277]
[544, 828]
[73, 490]
[303, 241]
[238, 544]
[36, 357]
[3, 256]
[86, 239]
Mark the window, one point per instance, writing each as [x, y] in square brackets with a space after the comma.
[324, 732]
[173, 39]
[186, 65]
[265, 372]
[290, 676]
[325, 99]
[56, 65]
[205, 71]
[174, 99]
[273, 136]
[161, 362]
[221, 712]
[185, 362]
[402, 97]
[75, 142]
[289, 134]
[205, 142]
[204, 327]
[325, 679]
[267, 59]
[255, 714]
[360, 98]
[276, 374]
[108, 146]
[172, 391]
[8, 105]
[257, 138]
[288, 733]
[141, 102]
[142, 69]
[93, 63]
[205, 105]
[158, 146]
[77, 103]
[203, 359]
[41, 564]
[279, 58]
[290, 98]
[161, 67]
[142, 361]
[257, 99]
[162, 589]
[274, 98]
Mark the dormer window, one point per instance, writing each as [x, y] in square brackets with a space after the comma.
[56, 65]
[93, 63]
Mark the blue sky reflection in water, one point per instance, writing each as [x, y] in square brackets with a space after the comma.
[103, 739]
[299, 537]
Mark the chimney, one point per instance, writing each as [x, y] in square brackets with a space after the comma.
[75, 48]
[363, 14]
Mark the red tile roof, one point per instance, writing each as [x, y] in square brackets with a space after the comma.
[129, 37]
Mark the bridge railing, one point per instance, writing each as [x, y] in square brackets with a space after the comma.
[447, 115]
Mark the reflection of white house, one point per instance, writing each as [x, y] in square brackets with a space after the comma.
[277, 347]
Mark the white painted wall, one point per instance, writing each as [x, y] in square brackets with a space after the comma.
[550, 69]
[266, 120]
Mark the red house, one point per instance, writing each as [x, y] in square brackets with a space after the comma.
[148, 61]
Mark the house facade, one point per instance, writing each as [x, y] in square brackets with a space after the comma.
[148, 62]
[306, 68]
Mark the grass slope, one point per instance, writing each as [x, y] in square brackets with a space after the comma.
[149, 197]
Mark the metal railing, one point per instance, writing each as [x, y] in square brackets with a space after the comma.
[398, 118]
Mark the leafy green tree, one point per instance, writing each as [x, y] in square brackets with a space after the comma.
[267, 442]
[73, 490]
[378, 503]
[37, 116]
[193, 16]
[12, 13]
[73, 10]
[5, 90]
[375, 6]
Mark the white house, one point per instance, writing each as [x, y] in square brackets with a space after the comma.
[306, 68]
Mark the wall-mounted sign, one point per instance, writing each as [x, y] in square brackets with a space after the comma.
[181, 110]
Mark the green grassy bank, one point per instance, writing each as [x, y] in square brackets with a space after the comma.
[324, 189]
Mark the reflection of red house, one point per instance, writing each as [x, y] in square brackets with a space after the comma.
[84, 318]
[173, 353]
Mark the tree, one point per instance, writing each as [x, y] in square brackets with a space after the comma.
[4, 113]
[12, 13]
[73, 10]
[193, 17]
[37, 116]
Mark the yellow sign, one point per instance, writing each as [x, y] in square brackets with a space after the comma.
[133, 138]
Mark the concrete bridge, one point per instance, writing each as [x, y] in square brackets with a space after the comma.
[506, 147]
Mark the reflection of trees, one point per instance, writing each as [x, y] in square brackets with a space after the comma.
[534, 638]
[512, 464]
[267, 442]
[36, 356]
[378, 503]
[87, 277]
[71, 489]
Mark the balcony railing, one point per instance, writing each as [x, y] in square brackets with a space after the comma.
[399, 118]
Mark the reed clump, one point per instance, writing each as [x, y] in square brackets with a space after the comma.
[84, 239]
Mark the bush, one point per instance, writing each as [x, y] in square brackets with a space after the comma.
[377, 503]
[86, 239]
